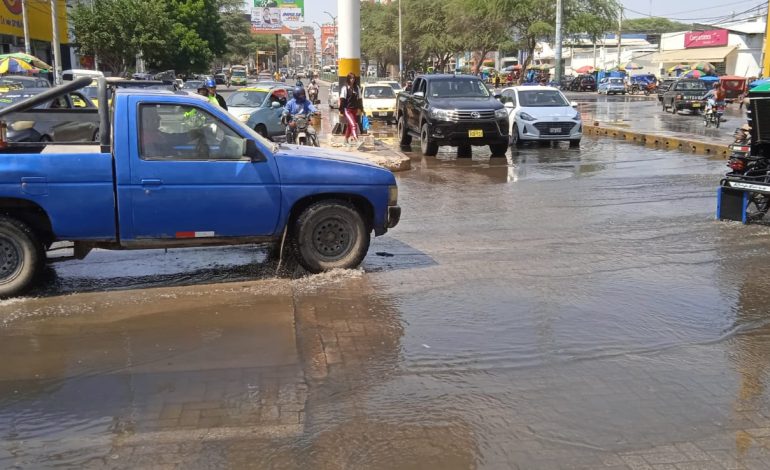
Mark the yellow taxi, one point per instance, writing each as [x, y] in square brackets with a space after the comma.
[379, 102]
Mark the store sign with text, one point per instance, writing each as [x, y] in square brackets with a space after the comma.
[710, 38]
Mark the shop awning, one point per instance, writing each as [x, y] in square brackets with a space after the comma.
[703, 54]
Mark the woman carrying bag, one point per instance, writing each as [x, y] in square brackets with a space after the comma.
[350, 104]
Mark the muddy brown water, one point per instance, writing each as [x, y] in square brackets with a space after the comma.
[557, 308]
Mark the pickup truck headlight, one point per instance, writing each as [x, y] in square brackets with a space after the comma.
[526, 117]
[244, 117]
[392, 195]
[440, 114]
[501, 113]
[21, 125]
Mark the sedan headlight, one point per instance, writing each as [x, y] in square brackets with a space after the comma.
[244, 117]
[440, 114]
[501, 113]
[526, 117]
[392, 195]
[576, 117]
[21, 125]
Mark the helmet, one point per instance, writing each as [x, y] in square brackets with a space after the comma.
[210, 83]
[716, 85]
[299, 93]
[313, 81]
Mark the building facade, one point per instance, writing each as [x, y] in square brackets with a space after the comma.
[40, 29]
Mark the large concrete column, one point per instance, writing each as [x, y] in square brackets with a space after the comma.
[349, 38]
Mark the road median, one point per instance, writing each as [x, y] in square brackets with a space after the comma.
[671, 142]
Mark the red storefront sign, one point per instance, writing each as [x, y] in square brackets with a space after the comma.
[711, 38]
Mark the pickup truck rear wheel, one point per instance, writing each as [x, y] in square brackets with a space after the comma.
[21, 257]
[330, 235]
[428, 148]
[404, 139]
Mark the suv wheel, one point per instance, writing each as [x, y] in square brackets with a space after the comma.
[404, 139]
[428, 147]
[498, 150]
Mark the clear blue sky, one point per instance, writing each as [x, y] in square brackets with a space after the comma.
[689, 11]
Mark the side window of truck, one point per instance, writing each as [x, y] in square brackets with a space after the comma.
[172, 132]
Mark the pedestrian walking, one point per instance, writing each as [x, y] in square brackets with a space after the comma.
[350, 104]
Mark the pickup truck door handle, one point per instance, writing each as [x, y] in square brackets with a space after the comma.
[152, 182]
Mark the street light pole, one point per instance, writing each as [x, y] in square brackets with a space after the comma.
[25, 20]
[401, 47]
[558, 40]
[56, 47]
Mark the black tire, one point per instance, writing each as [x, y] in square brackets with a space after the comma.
[261, 130]
[404, 139]
[427, 147]
[21, 257]
[574, 143]
[498, 150]
[665, 108]
[515, 139]
[716, 122]
[330, 235]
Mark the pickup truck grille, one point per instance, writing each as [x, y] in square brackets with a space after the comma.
[471, 115]
[545, 128]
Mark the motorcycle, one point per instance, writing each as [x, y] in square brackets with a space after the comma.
[313, 96]
[747, 168]
[299, 131]
[713, 114]
[650, 89]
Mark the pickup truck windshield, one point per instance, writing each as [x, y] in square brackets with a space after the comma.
[691, 86]
[616, 81]
[247, 99]
[541, 98]
[378, 92]
[457, 88]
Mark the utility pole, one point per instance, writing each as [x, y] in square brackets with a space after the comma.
[25, 20]
[349, 34]
[277, 53]
[55, 40]
[400, 47]
[765, 50]
[620, 31]
[558, 41]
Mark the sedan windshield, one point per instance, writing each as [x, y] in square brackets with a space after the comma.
[616, 81]
[458, 88]
[192, 84]
[247, 99]
[541, 98]
[378, 92]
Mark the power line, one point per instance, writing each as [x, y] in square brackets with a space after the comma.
[704, 8]
[714, 19]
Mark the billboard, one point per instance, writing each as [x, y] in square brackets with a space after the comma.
[328, 36]
[277, 16]
[39, 13]
[710, 38]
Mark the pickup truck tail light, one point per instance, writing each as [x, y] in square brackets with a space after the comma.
[392, 195]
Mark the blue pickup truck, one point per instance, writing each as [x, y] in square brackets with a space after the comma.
[175, 171]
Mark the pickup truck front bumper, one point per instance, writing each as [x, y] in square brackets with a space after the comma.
[458, 133]
[394, 216]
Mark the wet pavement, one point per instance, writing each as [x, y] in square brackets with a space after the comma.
[555, 309]
[645, 114]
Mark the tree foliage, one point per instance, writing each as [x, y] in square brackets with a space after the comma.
[183, 35]
[436, 30]
[654, 25]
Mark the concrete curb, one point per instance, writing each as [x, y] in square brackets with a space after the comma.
[659, 141]
[373, 150]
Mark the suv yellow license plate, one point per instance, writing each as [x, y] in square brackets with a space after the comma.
[696, 105]
[476, 133]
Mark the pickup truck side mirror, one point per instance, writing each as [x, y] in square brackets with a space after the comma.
[419, 94]
[275, 105]
[251, 151]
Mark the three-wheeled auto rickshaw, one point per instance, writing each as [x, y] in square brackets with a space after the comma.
[734, 86]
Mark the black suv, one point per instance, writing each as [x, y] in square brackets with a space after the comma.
[583, 83]
[455, 110]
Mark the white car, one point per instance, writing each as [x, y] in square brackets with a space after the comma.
[393, 84]
[540, 113]
[334, 95]
[379, 101]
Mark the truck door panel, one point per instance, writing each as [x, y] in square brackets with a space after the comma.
[188, 176]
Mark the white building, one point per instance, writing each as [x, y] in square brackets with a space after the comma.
[733, 48]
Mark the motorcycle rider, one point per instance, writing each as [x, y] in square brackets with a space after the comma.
[714, 98]
[312, 91]
[299, 104]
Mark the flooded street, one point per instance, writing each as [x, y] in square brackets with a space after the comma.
[557, 308]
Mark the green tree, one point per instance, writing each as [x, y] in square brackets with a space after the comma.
[117, 30]
[379, 35]
[483, 25]
[654, 25]
[428, 27]
[196, 35]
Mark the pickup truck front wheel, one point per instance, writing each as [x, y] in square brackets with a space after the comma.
[330, 235]
[427, 146]
[404, 139]
[21, 257]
